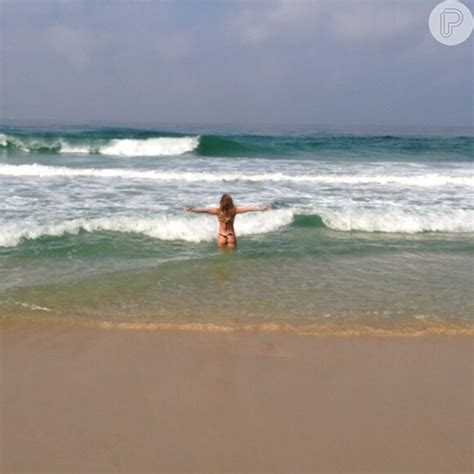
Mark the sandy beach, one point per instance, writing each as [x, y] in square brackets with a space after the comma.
[94, 400]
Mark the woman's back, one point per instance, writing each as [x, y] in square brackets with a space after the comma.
[226, 220]
[226, 213]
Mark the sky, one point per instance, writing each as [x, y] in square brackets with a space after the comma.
[328, 62]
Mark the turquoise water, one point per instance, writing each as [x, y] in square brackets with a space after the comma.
[366, 229]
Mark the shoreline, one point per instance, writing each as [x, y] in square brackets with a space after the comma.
[87, 400]
[414, 330]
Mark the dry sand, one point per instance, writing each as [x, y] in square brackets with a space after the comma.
[91, 400]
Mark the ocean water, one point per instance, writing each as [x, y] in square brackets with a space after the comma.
[368, 232]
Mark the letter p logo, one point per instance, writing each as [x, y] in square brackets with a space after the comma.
[450, 19]
[451, 23]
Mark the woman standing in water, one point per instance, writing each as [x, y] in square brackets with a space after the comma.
[226, 213]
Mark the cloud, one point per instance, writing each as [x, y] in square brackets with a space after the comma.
[285, 61]
[175, 45]
[72, 45]
[265, 21]
[341, 20]
[376, 21]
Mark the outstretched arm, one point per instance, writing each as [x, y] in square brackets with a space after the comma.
[242, 210]
[212, 211]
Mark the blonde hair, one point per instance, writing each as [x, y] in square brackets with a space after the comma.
[227, 207]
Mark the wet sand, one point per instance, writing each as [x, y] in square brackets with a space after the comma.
[95, 400]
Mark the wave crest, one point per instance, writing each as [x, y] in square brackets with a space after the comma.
[400, 221]
[163, 146]
[231, 144]
[203, 229]
[164, 227]
[42, 171]
[160, 146]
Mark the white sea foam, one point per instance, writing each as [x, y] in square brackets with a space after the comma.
[203, 228]
[6, 139]
[161, 146]
[42, 171]
[32, 306]
[395, 220]
[150, 147]
[68, 148]
[164, 227]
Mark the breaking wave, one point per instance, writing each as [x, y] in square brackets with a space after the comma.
[203, 229]
[42, 171]
[400, 221]
[160, 146]
[165, 227]
[133, 142]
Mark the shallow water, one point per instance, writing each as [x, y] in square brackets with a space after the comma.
[366, 230]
